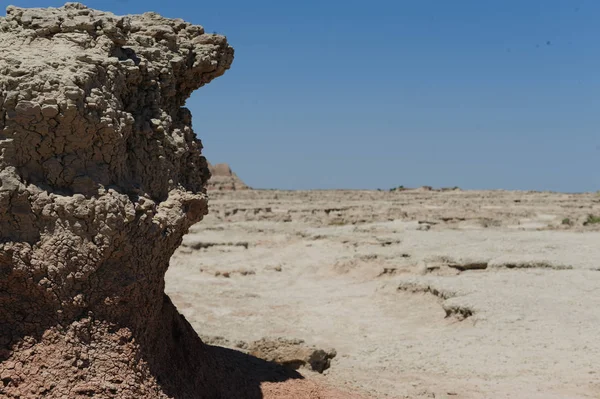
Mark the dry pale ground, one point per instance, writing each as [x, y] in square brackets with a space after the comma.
[423, 294]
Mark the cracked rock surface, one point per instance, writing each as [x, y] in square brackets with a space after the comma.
[498, 299]
[101, 175]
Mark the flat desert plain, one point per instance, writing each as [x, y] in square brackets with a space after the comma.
[422, 293]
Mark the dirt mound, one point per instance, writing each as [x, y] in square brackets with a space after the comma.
[223, 179]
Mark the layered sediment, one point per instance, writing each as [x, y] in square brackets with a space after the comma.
[101, 175]
[224, 179]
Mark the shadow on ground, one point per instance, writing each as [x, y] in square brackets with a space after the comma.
[185, 367]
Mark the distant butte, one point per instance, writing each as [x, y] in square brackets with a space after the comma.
[223, 179]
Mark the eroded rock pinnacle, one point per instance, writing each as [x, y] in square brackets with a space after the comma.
[101, 175]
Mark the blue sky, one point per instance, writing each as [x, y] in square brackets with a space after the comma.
[478, 94]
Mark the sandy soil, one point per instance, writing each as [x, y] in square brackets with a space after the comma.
[423, 294]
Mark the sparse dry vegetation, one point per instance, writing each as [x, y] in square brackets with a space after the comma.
[592, 219]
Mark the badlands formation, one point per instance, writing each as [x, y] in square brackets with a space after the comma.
[101, 176]
[422, 293]
[223, 178]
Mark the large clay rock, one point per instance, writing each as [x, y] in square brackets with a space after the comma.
[293, 353]
[224, 179]
[101, 175]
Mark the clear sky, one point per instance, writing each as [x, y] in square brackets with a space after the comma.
[381, 93]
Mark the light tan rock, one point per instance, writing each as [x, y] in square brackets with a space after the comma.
[101, 175]
[223, 179]
[293, 353]
[507, 308]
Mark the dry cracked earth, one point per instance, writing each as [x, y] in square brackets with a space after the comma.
[422, 294]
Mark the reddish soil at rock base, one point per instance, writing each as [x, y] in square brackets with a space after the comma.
[303, 389]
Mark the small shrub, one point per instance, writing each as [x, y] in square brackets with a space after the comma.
[592, 219]
[567, 222]
[487, 222]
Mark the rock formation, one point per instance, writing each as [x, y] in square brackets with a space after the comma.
[223, 179]
[101, 175]
[293, 353]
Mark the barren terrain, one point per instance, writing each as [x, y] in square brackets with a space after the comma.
[422, 294]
